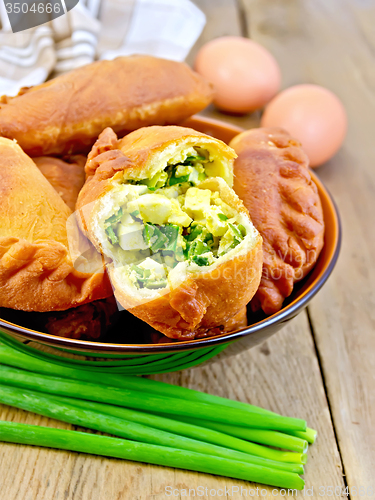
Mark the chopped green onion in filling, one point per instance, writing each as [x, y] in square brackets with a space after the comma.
[242, 229]
[190, 170]
[146, 278]
[111, 235]
[172, 221]
[200, 260]
[115, 217]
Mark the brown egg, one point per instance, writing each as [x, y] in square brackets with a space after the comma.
[313, 115]
[245, 75]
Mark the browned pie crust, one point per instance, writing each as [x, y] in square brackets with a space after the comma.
[204, 301]
[65, 115]
[36, 270]
[273, 180]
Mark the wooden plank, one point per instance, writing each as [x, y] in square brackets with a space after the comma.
[223, 19]
[282, 375]
[332, 44]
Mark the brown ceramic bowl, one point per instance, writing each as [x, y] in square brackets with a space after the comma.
[122, 338]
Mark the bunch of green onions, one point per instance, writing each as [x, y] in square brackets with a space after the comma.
[153, 422]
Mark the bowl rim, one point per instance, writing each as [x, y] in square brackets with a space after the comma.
[286, 313]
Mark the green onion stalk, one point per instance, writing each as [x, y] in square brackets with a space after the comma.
[140, 452]
[261, 436]
[146, 401]
[286, 461]
[15, 358]
[66, 412]
[12, 357]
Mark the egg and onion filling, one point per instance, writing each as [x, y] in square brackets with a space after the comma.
[153, 225]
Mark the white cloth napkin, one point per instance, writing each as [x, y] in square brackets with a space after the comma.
[96, 29]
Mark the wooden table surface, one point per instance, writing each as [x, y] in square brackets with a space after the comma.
[321, 366]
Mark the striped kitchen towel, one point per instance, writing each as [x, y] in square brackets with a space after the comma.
[96, 29]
